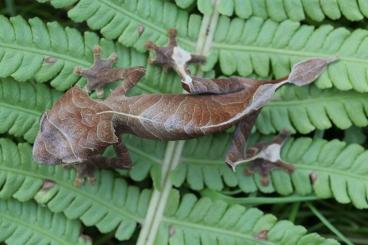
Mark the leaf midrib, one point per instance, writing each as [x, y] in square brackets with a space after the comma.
[329, 99]
[43, 52]
[144, 21]
[33, 227]
[298, 165]
[269, 51]
[65, 58]
[20, 109]
[75, 190]
[214, 230]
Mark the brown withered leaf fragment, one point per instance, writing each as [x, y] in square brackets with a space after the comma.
[173, 56]
[140, 29]
[49, 60]
[262, 235]
[47, 184]
[313, 177]
[86, 238]
[172, 230]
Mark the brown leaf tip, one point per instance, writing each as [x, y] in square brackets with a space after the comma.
[313, 177]
[50, 60]
[172, 230]
[262, 235]
[47, 184]
[87, 239]
[140, 29]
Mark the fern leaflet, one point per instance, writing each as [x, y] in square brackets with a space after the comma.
[111, 204]
[280, 10]
[49, 52]
[269, 48]
[305, 109]
[202, 221]
[29, 223]
[122, 20]
[21, 107]
[325, 168]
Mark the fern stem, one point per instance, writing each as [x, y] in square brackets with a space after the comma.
[254, 201]
[165, 193]
[156, 197]
[294, 211]
[174, 150]
[332, 228]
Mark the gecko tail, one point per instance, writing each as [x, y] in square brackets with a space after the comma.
[306, 71]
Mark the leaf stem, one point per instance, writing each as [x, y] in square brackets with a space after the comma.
[294, 211]
[174, 150]
[327, 223]
[254, 201]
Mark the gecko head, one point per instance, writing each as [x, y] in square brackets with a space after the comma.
[72, 131]
[51, 147]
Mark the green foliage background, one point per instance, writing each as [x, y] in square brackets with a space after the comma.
[182, 192]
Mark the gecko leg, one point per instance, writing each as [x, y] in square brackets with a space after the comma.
[87, 168]
[237, 147]
[265, 157]
[102, 72]
[262, 157]
[173, 56]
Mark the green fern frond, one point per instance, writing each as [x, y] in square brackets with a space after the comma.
[147, 156]
[184, 4]
[203, 221]
[28, 223]
[280, 10]
[21, 105]
[50, 52]
[269, 48]
[110, 204]
[304, 109]
[325, 168]
[133, 22]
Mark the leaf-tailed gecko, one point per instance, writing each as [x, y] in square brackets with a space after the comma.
[77, 129]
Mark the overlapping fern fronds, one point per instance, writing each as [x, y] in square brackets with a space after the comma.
[325, 168]
[123, 20]
[29, 223]
[40, 51]
[257, 38]
[113, 205]
[255, 45]
[266, 47]
[280, 10]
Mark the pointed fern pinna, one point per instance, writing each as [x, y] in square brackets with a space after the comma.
[48, 52]
[265, 48]
[114, 206]
[280, 10]
[29, 223]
